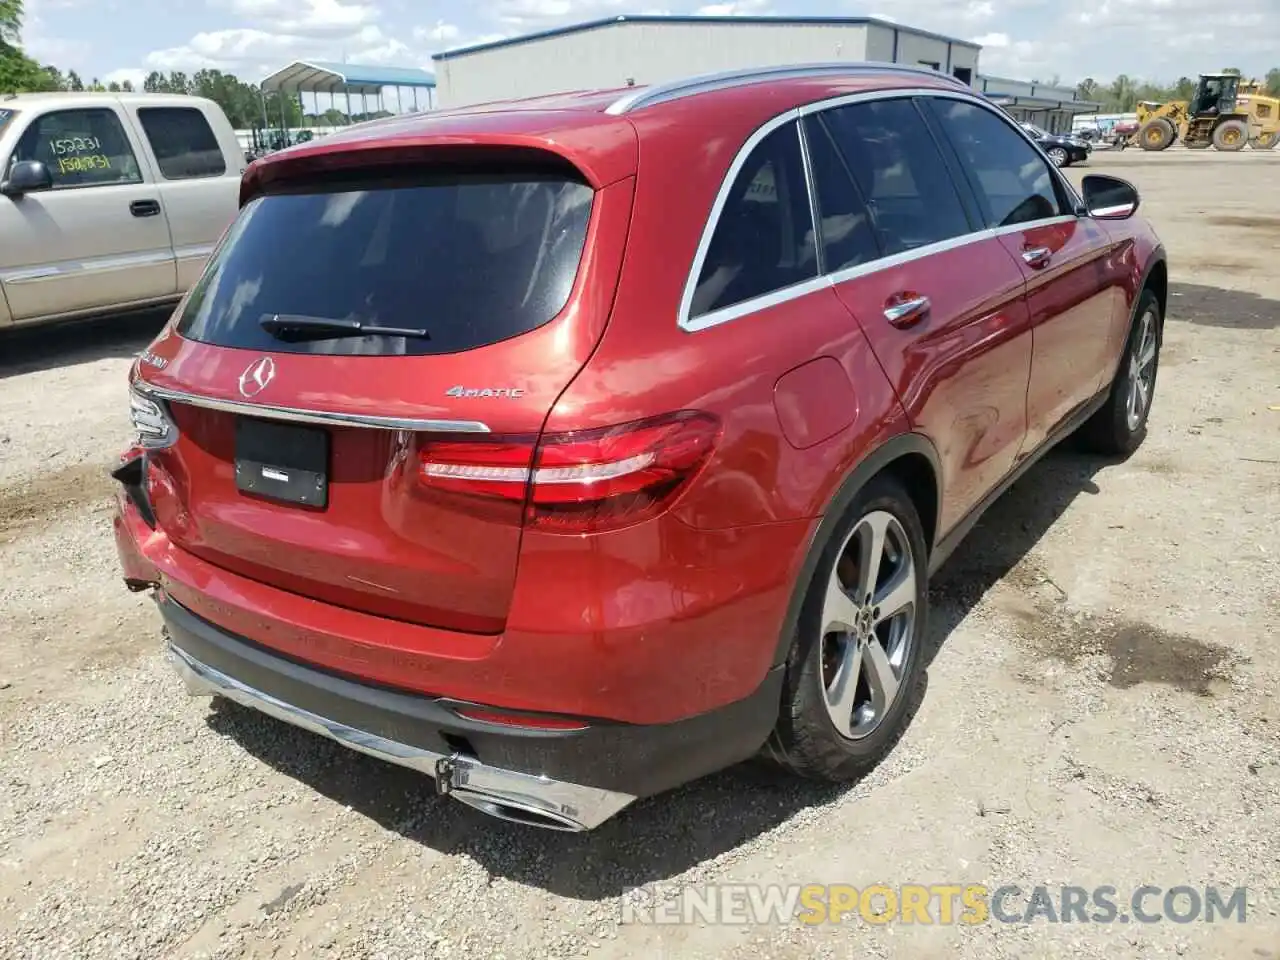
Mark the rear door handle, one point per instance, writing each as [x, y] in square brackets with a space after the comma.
[906, 309]
[144, 208]
[1037, 257]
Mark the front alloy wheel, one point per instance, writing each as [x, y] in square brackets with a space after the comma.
[1120, 425]
[868, 622]
[1142, 371]
[1058, 156]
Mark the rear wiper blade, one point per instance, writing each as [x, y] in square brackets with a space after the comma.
[288, 327]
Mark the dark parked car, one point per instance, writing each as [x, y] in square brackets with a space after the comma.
[1063, 149]
[570, 449]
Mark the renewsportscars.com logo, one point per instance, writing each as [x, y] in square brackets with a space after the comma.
[941, 904]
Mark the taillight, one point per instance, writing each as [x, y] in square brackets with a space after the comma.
[153, 427]
[581, 481]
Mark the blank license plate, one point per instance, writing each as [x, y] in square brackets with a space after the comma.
[283, 462]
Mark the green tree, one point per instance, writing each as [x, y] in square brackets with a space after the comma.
[156, 82]
[127, 86]
[10, 22]
[1088, 89]
[1184, 89]
[1123, 94]
[1273, 81]
[74, 83]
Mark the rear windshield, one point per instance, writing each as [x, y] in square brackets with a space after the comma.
[467, 259]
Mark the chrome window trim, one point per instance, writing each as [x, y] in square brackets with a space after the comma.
[806, 164]
[727, 79]
[317, 417]
[785, 294]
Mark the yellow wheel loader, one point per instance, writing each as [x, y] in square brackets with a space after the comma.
[1227, 113]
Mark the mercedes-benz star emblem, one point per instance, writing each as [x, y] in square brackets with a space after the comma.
[256, 376]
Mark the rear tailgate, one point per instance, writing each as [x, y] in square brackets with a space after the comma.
[299, 453]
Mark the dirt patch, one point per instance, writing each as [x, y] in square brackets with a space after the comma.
[1226, 266]
[25, 502]
[1137, 652]
[1219, 307]
[1267, 224]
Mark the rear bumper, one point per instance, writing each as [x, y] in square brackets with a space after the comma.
[689, 628]
[561, 779]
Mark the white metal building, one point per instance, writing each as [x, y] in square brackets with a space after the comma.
[1049, 107]
[651, 49]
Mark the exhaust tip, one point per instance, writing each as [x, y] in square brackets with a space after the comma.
[525, 814]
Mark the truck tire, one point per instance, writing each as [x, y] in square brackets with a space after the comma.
[1156, 134]
[1231, 136]
[1265, 141]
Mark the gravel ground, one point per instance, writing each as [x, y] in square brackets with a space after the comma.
[1100, 708]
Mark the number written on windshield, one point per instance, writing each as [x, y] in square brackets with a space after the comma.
[75, 145]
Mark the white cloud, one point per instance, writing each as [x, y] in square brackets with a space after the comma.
[134, 77]
[740, 8]
[440, 33]
[536, 14]
[304, 18]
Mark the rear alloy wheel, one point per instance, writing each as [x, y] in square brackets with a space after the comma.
[1231, 136]
[1059, 156]
[857, 653]
[1120, 426]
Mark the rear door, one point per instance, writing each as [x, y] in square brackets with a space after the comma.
[940, 299]
[99, 238]
[198, 186]
[324, 464]
[1073, 299]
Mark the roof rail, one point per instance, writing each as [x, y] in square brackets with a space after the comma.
[704, 83]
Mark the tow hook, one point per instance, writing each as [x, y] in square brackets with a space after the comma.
[446, 767]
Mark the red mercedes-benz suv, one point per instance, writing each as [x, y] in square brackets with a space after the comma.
[573, 448]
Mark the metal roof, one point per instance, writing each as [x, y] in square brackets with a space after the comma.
[697, 20]
[319, 76]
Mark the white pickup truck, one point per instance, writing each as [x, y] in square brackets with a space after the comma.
[109, 202]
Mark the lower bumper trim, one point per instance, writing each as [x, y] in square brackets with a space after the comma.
[509, 795]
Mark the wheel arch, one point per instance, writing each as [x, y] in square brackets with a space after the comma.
[912, 460]
[1156, 279]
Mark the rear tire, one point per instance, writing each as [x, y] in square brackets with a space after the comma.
[1231, 136]
[857, 653]
[1156, 134]
[1265, 141]
[1059, 157]
[1120, 426]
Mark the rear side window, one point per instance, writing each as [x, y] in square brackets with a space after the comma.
[1011, 178]
[81, 148]
[900, 171]
[844, 222]
[463, 260]
[763, 241]
[5, 117]
[183, 142]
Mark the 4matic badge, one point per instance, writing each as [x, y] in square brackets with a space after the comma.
[510, 393]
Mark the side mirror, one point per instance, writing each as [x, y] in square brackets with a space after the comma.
[27, 176]
[1109, 198]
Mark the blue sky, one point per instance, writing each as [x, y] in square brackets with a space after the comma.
[1025, 39]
